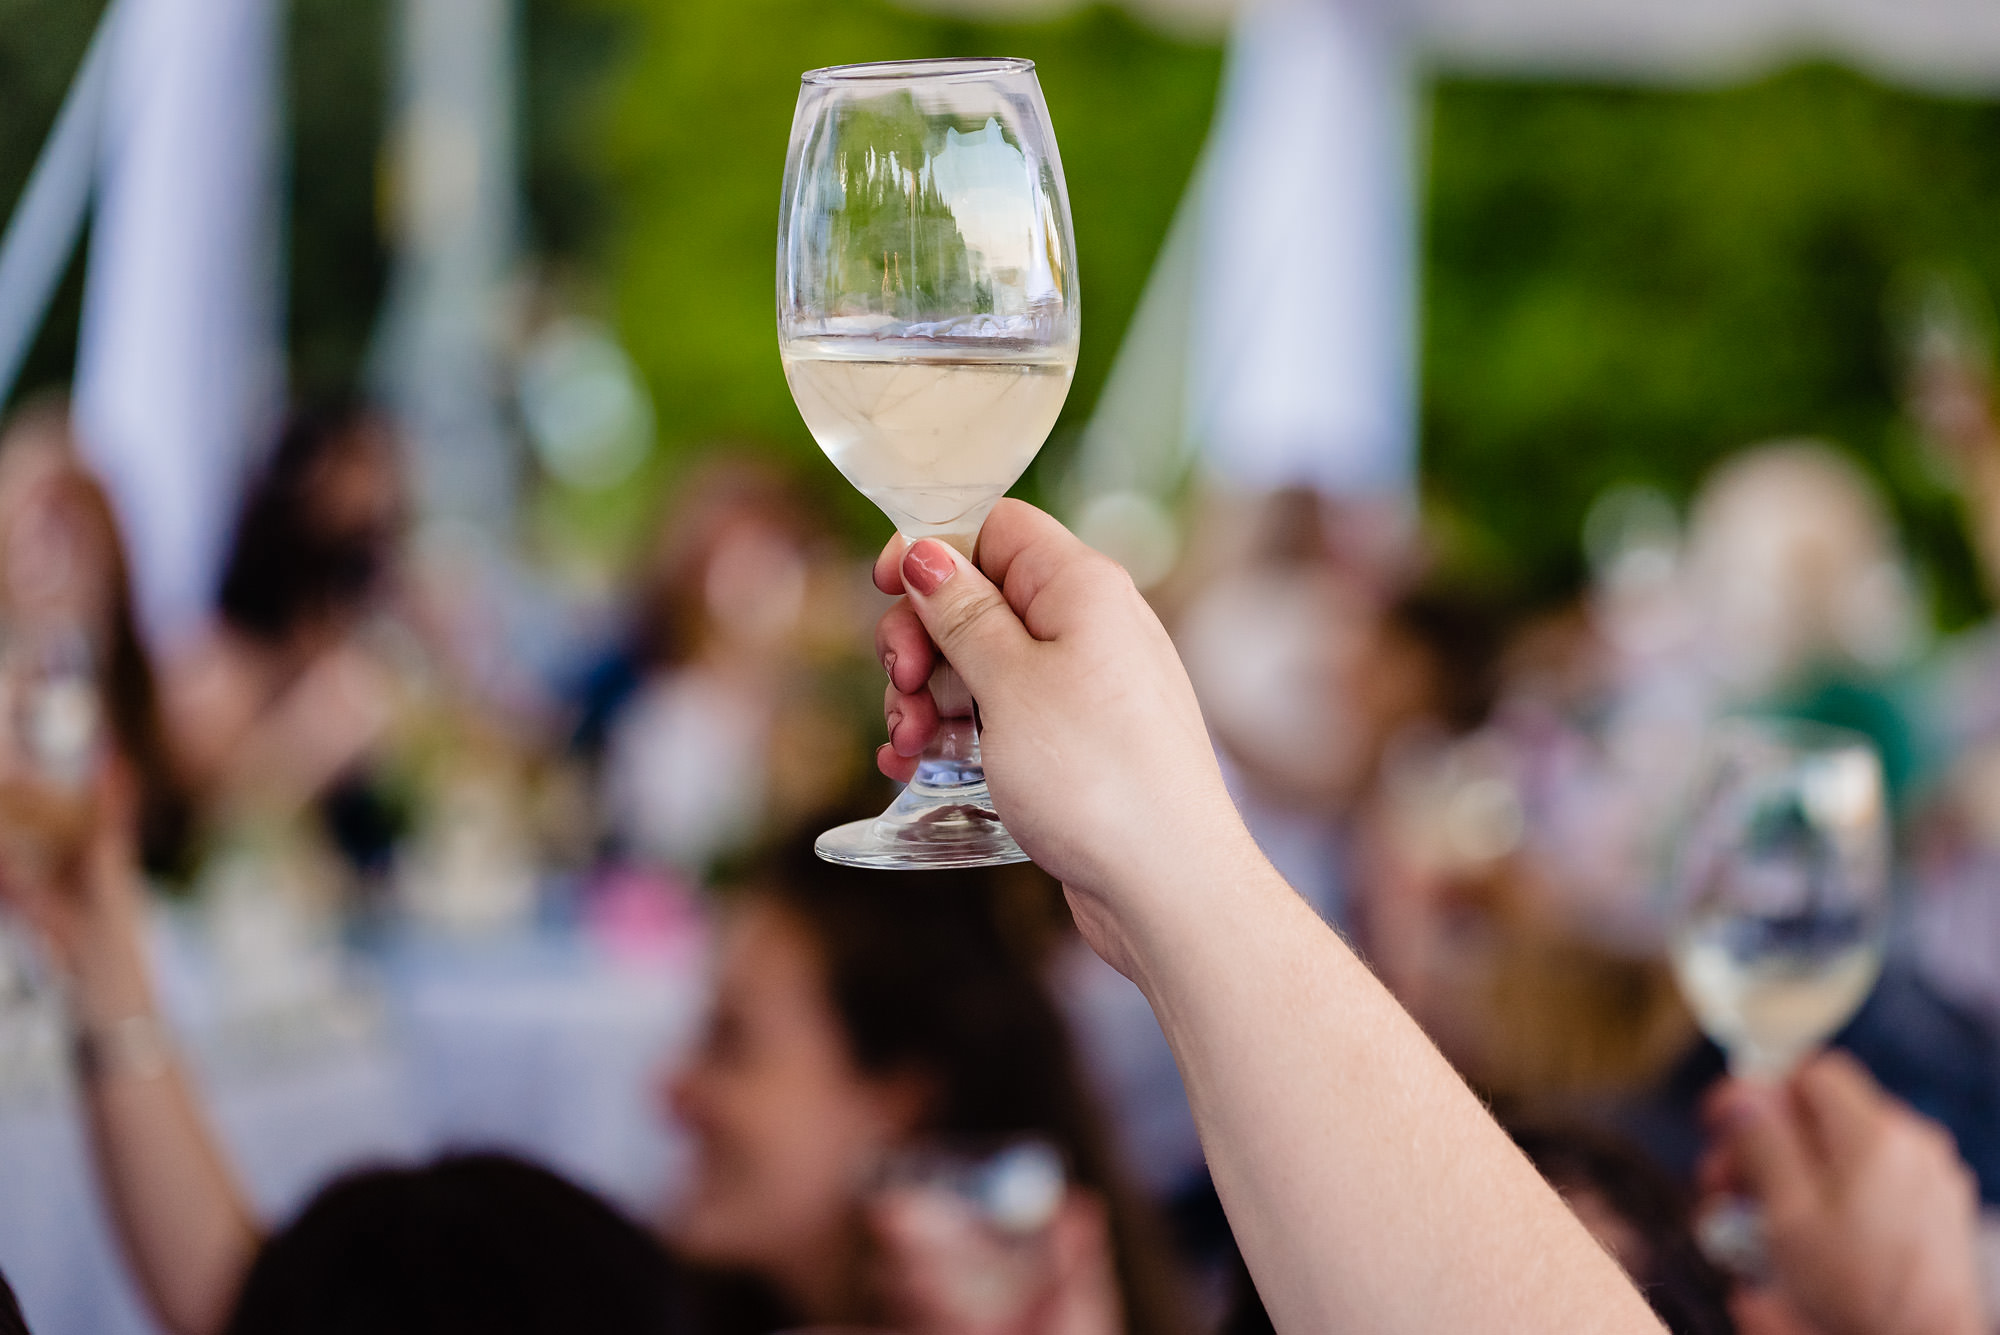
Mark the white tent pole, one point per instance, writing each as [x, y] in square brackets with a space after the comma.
[180, 357]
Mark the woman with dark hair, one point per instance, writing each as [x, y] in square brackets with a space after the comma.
[859, 1017]
[709, 726]
[281, 701]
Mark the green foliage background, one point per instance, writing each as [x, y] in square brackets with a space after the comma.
[1629, 284]
[1618, 283]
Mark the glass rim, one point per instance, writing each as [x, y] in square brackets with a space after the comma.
[936, 67]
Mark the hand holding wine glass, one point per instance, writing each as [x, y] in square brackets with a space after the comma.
[1779, 908]
[1872, 1218]
[928, 319]
[1095, 744]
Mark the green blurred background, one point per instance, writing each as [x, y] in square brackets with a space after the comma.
[1618, 283]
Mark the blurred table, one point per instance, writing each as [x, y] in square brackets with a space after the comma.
[543, 1045]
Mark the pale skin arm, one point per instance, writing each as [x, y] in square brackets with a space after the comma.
[1367, 1187]
[187, 1229]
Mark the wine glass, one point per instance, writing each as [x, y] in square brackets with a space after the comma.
[974, 1218]
[1780, 905]
[928, 321]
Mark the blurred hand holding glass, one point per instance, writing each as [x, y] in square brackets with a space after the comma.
[52, 715]
[52, 723]
[972, 1236]
[928, 321]
[1780, 906]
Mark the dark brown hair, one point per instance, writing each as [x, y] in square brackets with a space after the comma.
[132, 702]
[285, 569]
[476, 1244]
[1688, 1293]
[927, 975]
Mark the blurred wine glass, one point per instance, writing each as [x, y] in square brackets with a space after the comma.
[967, 1229]
[1779, 907]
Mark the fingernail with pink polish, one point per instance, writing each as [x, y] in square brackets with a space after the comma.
[927, 565]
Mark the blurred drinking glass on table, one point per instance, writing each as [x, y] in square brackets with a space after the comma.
[1779, 901]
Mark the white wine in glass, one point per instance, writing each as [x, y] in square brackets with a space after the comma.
[928, 320]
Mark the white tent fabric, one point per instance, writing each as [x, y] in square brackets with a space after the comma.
[1942, 44]
[1302, 357]
[179, 368]
[1950, 45]
[1276, 340]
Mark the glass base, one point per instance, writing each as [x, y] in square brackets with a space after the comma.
[927, 828]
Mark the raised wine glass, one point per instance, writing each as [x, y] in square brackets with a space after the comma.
[1780, 905]
[928, 321]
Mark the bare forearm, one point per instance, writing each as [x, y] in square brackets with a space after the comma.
[186, 1228]
[1367, 1186]
[187, 1231]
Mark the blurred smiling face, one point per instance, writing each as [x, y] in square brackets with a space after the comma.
[785, 1127]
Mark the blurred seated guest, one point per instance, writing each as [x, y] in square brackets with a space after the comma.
[1955, 843]
[1870, 1218]
[1302, 672]
[77, 674]
[285, 698]
[1800, 594]
[875, 1038]
[707, 720]
[1459, 916]
[1787, 593]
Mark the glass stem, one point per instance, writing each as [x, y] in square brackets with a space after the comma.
[951, 761]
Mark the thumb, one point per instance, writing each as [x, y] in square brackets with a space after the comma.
[1841, 1106]
[967, 617]
[1769, 1149]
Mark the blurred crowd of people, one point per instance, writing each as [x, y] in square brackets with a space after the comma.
[1480, 798]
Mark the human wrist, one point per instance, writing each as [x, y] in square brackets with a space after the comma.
[108, 972]
[1153, 907]
[133, 1046]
